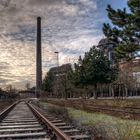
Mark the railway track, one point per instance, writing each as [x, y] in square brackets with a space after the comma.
[128, 112]
[23, 121]
[133, 112]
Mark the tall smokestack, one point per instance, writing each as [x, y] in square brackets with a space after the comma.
[38, 57]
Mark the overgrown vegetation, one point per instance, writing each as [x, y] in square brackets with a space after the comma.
[56, 111]
[109, 128]
[125, 109]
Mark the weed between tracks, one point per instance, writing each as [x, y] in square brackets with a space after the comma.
[108, 127]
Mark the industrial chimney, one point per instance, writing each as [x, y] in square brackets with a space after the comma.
[38, 58]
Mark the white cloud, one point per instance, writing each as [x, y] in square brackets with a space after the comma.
[64, 29]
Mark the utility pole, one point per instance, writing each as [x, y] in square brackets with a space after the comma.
[38, 58]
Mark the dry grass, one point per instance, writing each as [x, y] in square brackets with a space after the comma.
[103, 102]
[110, 128]
[106, 106]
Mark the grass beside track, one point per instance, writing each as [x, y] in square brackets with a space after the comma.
[123, 108]
[110, 128]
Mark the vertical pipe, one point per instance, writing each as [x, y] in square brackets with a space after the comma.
[38, 58]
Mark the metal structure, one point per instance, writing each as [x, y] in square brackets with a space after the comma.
[38, 58]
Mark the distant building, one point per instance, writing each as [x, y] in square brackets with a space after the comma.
[60, 82]
[61, 69]
[108, 47]
[129, 70]
[132, 66]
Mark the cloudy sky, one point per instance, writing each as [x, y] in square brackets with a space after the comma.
[68, 26]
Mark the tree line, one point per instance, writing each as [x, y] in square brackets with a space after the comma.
[94, 69]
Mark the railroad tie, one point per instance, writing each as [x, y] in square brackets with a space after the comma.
[20, 123]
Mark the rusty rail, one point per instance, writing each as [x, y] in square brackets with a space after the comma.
[7, 110]
[60, 135]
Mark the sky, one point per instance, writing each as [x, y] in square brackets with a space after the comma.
[70, 27]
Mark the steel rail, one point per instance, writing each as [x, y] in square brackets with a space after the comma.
[114, 110]
[60, 135]
[7, 110]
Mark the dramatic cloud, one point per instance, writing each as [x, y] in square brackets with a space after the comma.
[68, 26]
